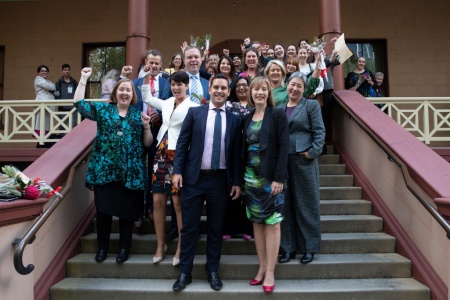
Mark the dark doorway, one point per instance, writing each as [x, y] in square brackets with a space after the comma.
[375, 53]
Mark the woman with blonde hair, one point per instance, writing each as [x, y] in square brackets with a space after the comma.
[265, 154]
[109, 82]
[276, 73]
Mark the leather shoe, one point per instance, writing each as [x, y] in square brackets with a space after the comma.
[307, 258]
[122, 256]
[214, 280]
[286, 257]
[172, 234]
[101, 255]
[182, 281]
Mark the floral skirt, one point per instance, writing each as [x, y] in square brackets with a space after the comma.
[163, 169]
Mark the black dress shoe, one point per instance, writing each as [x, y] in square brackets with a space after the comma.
[286, 257]
[122, 256]
[307, 258]
[101, 255]
[181, 282]
[172, 234]
[324, 150]
[214, 280]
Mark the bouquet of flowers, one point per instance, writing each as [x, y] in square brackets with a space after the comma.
[201, 43]
[361, 78]
[207, 38]
[317, 46]
[200, 99]
[15, 183]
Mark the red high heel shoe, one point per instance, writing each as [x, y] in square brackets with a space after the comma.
[257, 282]
[268, 288]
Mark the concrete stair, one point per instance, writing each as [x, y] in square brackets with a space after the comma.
[358, 260]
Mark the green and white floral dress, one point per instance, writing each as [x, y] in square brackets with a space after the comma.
[262, 206]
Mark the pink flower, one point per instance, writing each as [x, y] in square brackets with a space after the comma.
[363, 76]
[319, 40]
[203, 101]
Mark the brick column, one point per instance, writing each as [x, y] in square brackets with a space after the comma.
[138, 36]
[330, 25]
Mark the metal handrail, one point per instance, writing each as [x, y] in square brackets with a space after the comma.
[394, 158]
[18, 252]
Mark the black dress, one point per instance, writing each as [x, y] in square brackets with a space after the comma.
[235, 221]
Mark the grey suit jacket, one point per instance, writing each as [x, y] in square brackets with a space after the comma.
[306, 129]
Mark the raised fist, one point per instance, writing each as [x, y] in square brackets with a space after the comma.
[126, 70]
[86, 73]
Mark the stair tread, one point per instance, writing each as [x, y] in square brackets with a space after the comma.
[241, 267]
[323, 217]
[80, 288]
[326, 259]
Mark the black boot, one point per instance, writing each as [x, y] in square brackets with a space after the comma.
[101, 255]
[286, 257]
[122, 256]
[307, 258]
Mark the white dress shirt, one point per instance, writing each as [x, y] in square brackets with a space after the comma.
[209, 138]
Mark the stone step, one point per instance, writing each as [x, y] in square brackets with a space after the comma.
[332, 243]
[332, 169]
[329, 159]
[319, 289]
[330, 149]
[345, 207]
[329, 224]
[327, 207]
[340, 193]
[244, 267]
[335, 180]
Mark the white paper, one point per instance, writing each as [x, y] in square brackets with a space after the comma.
[342, 49]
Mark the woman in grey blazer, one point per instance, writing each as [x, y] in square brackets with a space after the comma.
[300, 230]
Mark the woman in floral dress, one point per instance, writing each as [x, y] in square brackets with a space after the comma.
[117, 171]
[265, 154]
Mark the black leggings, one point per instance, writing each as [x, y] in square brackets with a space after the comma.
[104, 224]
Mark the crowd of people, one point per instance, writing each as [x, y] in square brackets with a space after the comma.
[243, 133]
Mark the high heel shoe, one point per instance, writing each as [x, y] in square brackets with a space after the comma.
[176, 261]
[257, 282]
[160, 259]
[268, 288]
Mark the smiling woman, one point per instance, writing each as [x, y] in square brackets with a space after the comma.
[117, 170]
[173, 112]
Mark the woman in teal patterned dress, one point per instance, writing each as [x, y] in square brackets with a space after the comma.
[265, 153]
[117, 171]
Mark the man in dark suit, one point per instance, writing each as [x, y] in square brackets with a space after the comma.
[207, 165]
[197, 84]
[157, 84]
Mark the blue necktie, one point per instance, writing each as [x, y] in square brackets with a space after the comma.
[215, 157]
[194, 89]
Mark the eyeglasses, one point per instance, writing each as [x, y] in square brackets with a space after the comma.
[244, 86]
[44, 71]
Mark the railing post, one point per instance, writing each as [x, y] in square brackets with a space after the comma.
[42, 124]
[426, 125]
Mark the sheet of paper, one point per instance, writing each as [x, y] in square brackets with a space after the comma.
[343, 50]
